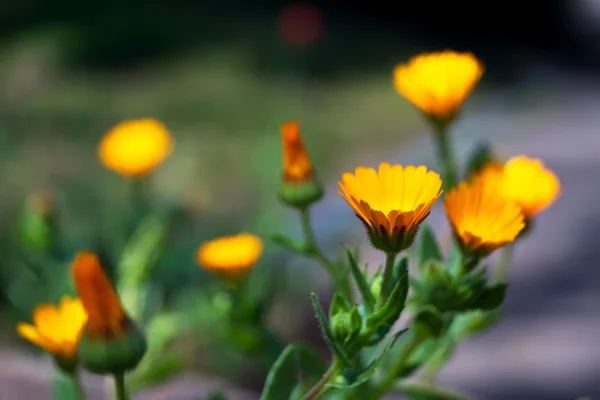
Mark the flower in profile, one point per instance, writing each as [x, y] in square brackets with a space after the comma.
[527, 182]
[299, 185]
[391, 202]
[134, 148]
[230, 257]
[481, 218]
[111, 341]
[57, 330]
[438, 83]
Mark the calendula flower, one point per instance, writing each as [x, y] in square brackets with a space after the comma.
[391, 202]
[481, 218]
[135, 148]
[299, 186]
[57, 329]
[111, 341]
[438, 83]
[529, 184]
[230, 257]
[106, 317]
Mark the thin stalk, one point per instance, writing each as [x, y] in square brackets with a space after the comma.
[446, 156]
[77, 386]
[320, 389]
[389, 381]
[341, 281]
[503, 263]
[120, 390]
[388, 277]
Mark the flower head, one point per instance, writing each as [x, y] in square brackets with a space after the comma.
[391, 202]
[529, 184]
[134, 148]
[481, 218]
[438, 83]
[230, 257]
[57, 329]
[106, 317]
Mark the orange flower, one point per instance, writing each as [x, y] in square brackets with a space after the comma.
[296, 163]
[106, 317]
[230, 256]
[136, 147]
[481, 218]
[438, 83]
[57, 329]
[392, 203]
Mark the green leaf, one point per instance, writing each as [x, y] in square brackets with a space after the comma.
[455, 259]
[338, 305]
[215, 396]
[326, 329]
[296, 362]
[350, 379]
[427, 248]
[421, 391]
[428, 322]
[471, 322]
[492, 297]
[418, 357]
[288, 243]
[361, 283]
[392, 308]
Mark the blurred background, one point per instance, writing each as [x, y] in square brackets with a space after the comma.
[222, 75]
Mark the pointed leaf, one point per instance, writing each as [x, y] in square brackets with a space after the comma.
[392, 308]
[288, 243]
[326, 329]
[350, 379]
[296, 361]
[492, 297]
[361, 282]
[421, 391]
[428, 322]
[427, 247]
[455, 259]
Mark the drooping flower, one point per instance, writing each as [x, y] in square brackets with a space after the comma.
[57, 329]
[391, 202]
[111, 342]
[134, 148]
[230, 257]
[438, 83]
[481, 218]
[529, 184]
[299, 186]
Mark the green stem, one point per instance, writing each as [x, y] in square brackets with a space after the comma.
[120, 390]
[77, 386]
[388, 277]
[503, 263]
[390, 379]
[320, 389]
[446, 156]
[341, 281]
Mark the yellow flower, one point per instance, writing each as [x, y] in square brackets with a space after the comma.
[134, 148]
[57, 329]
[529, 184]
[296, 163]
[438, 83]
[391, 203]
[230, 257]
[481, 218]
[106, 317]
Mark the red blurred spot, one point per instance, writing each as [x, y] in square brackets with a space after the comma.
[301, 24]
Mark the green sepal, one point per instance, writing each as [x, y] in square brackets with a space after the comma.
[300, 194]
[349, 378]
[491, 298]
[327, 333]
[368, 298]
[427, 247]
[113, 355]
[428, 322]
[295, 361]
[288, 243]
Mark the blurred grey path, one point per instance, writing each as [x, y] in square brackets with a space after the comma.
[546, 346]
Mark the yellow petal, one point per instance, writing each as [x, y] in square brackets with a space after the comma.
[30, 333]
